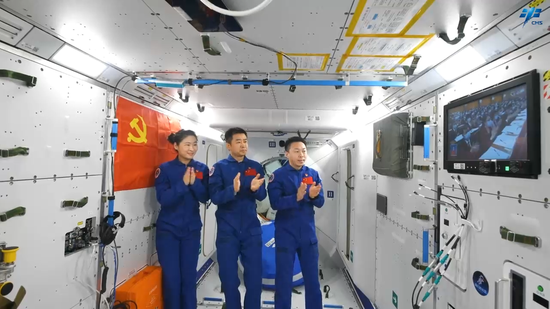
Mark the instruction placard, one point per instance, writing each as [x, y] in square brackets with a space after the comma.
[385, 46]
[385, 16]
[370, 63]
[305, 62]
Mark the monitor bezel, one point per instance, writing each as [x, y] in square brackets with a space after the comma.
[532, 81]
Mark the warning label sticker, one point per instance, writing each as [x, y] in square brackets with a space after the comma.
[313, 62]
[546, 85]
[385, 46]
[369, 63]
[386, 16]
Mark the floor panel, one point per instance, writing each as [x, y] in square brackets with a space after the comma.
[340, 295]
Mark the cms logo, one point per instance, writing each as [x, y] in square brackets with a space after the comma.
[529, 14]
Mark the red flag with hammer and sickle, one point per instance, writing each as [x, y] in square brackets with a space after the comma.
[142, 144]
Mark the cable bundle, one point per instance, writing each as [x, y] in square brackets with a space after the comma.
[464, 214]
[439, 269]
[442, 263]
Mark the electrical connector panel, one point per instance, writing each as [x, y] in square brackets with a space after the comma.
[80, 237]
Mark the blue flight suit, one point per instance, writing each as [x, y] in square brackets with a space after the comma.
[295, 233]
[178, 230]
[239, 230]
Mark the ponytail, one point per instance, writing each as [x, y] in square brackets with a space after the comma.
[176, 138]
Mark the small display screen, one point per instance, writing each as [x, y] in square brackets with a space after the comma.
[491, 128]
[541, 301]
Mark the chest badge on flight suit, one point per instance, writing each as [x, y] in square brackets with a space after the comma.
[307, 180]
[199, 175]
[250, 172]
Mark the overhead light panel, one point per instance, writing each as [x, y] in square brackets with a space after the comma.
[78, 61]
[493, 44]
[460, 63]
[343, 138]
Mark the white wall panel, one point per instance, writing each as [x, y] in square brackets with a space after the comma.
[59, 113]
[136, 248]
[343, 224]
[324, 160]
[65, 112]
[51, 279]
[365, 213]
[395, 247]
[526, 215]
[209, 153]
[485, 251]
[399, 236]
[341, 215]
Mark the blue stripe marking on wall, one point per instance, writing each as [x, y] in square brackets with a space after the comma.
[203, 269]
[426, 142]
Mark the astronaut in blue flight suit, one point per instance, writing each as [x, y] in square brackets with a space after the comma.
[294, 190]
[235, 185]
[180, 184]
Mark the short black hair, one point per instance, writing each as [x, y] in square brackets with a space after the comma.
[176, 138]
[294, 139]
[231, 132]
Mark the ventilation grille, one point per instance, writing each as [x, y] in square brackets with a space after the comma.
[152, 95]
[314, 144]
[12, 29]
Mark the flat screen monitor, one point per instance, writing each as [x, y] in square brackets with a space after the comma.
[495, 131]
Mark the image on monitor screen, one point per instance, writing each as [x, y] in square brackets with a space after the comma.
[491, 128]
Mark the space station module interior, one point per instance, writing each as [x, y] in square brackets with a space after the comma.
[425, 183]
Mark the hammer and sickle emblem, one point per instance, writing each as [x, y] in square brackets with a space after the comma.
[141, 131]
